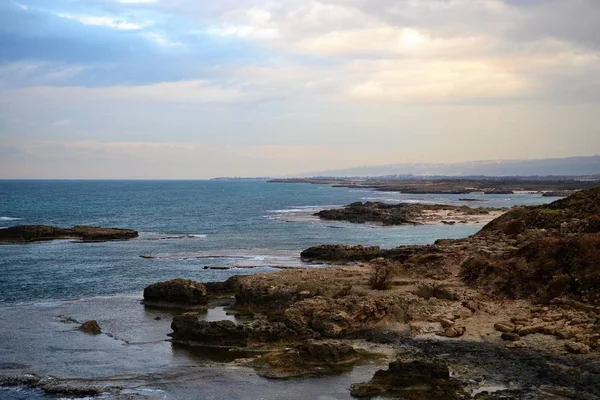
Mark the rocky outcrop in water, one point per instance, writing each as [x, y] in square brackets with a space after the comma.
[179, 293]
[310, 358]
[188, 328]
[55, 387]
[397, 214]
[481, 294]
[37, 233]
[344, 253]
[415, 380]
[91, 327]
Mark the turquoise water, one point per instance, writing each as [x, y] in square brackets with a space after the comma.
[184, 227]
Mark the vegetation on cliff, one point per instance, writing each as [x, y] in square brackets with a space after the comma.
[555, 251]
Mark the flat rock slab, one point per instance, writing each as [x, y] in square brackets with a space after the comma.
[38, 233]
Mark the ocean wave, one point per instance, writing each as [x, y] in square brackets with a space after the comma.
[236, 259]
[299, 209]
[10, 219]
[167, 236]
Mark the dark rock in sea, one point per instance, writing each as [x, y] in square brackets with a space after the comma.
[91, 327]
[188, 328]
[387, 214]
[310, 358]
[470, 200]
[415, 380]
[222, 288]
[345, 253]
[397, 214]
[54, 387]
[36, 233]
[498, 191]
[558, 193]
[176, 293]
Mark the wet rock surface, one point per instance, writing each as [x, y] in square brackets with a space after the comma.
[504, 329]
[398, 214]
[413, 380]
[345, 253]
[37, 233]
[188, 328]
[55, 387]
[176, 293]
[310, 358]
[91, 327]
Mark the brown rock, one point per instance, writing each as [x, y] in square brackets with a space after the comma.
[311, 358]
[531, 329]
[453, 332]
[504, 326]
[412, 380]
[447, 323]
[187, 328]
[513, 337]
[577, 348]
[36, 233]
[564, 333]
[176, 292]
[91, 327]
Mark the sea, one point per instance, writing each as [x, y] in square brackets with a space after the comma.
[200, 230]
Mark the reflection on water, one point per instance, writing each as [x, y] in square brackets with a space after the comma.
[202, 354]
[133, 353]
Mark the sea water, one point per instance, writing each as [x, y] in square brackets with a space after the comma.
[186, 229]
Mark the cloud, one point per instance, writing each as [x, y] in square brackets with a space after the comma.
[167, 92]
[62, 123]
[114, 23]
[430, 80]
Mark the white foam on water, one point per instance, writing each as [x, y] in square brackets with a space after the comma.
[10, 219]
[298, 209]
[170, 236]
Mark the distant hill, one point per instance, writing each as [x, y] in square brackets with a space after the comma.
[572, 166]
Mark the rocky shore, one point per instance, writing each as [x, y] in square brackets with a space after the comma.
[510, 312]
[38, 233]
[409, 214]
[441, 185]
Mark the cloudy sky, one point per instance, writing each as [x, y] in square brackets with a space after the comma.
[203, 88]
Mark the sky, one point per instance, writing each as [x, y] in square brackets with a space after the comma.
[192, 89]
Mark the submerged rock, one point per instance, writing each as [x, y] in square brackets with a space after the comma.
[91, 327]
[177, 293]
[415, 380]
[36, 233]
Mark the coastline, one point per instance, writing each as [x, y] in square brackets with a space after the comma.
[429, 314]
[429, 217]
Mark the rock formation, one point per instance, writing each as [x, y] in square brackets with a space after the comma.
[91, 327]
[397, 214]
[178, 293]
[36, 233]
[310, 358]
[415, 380]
